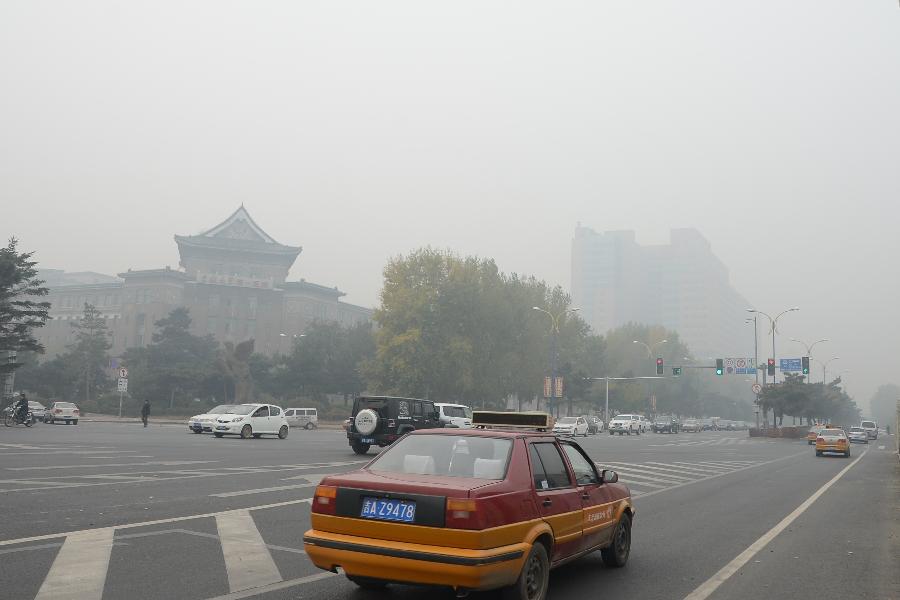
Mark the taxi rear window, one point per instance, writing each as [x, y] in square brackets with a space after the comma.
[446, 455]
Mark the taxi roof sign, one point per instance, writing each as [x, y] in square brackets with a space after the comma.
[540, 421]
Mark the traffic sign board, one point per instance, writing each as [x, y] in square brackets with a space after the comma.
[123, 372]
[791, 365]
[123, 384]
[756, 388]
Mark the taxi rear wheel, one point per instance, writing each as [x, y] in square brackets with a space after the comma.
[367, 583]
[616, 554]
[283, 432]
[246, 432]
[534, 579]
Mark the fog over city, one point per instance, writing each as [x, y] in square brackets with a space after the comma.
[364, 130]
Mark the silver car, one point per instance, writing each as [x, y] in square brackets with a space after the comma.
[858, 434]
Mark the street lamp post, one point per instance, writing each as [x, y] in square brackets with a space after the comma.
[809, 348]
[825, 367]
[774, 323]
[650, 348]
[554, 347]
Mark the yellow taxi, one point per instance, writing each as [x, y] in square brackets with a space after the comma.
[813, 434]
[832, 440]
[493, 507]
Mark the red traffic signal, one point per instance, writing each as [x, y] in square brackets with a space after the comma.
[770, 367]
[659, 366]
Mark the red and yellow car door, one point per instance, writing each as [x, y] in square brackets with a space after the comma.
[597, 502]
[557, 498]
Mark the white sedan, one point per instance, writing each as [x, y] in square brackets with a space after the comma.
[252, 420]
[571, 426]
[206, 421]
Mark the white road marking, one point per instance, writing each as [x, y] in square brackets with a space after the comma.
[276, 586]
[716, 466]
[688, 470]
[628, 475]
[650, 471]
[713, 583]
[56, 536]
[881, 447]
[247, 560]
[279, 488]
[79, 570]
[162, 463]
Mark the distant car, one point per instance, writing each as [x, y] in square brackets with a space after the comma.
[706, 425]
[832, 441]
[667, 424]
[307, 418]
[625, 424]
[595, 425]
[38, 410]
[871, 428]
[858, 434]
[454, 415]
[62, 411]
[573, 426]
[812, 434]
[691, 425]
[646, 425]
[252, 420]
[382, 420]
[429, 509]
[206, 421]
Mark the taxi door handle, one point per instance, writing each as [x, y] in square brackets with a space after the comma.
[585, 496]
[548, 502]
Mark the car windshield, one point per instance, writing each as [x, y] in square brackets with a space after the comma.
[857, 430]
[832, 433]
[868, 424]
[64, 405]
[446, 455]
[240, 409]
[568, 421]
[455, 411]
[223, 409]
[624, 417]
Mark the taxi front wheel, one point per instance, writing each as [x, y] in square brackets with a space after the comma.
[534, 579]
[616, 554]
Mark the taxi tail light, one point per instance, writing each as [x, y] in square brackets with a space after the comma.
[324, 502]
[465, 513]
[820, 439]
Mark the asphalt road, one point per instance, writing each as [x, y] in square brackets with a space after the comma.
[153, 513]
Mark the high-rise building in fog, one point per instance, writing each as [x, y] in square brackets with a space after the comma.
[680, 285]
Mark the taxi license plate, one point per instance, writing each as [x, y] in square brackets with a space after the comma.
[367, 440]
[221, 427]
[383, 509]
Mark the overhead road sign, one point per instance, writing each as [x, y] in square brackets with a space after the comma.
[791, 365]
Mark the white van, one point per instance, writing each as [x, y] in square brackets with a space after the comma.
[454, 415]
[308, 418]
[871, 428]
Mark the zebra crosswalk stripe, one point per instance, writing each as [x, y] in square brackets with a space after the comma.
[687, 470]
[79, 571]
[247, 560]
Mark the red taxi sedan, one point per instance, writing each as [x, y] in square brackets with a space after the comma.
[470, 510]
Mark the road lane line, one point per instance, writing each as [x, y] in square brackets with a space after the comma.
[278, 488]
[652, 471]
[276, 586]
[79, 570]
[627, 474]
[717, 467]
[723, 574]
[163, 463]
[56, 536]
[689, 470]
[632, 482]
[247, 560]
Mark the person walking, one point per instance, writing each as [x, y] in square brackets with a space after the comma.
[145, 412]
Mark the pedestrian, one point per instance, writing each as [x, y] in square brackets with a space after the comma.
[145, 412]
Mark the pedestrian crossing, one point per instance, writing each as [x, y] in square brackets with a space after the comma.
[652, 477]
[717, 441]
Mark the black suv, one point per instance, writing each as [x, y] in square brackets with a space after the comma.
[667, 423]
[380, 420]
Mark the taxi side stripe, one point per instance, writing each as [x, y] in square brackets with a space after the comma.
[413, 555]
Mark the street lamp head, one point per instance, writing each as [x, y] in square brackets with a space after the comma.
[574, 309]
[662, 342]
[282, 335]
[793, 309]
[636, 342]
[752, 310]
[536, 308]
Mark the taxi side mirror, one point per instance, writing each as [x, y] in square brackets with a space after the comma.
[609, 476]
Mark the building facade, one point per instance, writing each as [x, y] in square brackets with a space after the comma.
[233, 280]
[681, 285]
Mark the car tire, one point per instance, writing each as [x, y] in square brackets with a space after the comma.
[197, 430]
[308, 426]
[616, 554]
[283, 432]
[847, 454]
[246, 432]
[818, 453]
[75, 422]
[610, 433]
[360, 448]
[534, 579]
[217, 434]
[368, 583]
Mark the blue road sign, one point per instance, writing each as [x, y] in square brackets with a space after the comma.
[791, 365]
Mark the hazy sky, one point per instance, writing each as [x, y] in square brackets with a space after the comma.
[361, 130]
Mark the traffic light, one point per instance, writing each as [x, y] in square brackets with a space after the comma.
[676, 371]
[720, 366]
[659, 366]
[770, 368]
[805, 364]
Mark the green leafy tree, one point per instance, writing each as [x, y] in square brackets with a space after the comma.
[89, 352]
[20, 310]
